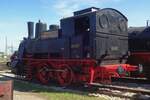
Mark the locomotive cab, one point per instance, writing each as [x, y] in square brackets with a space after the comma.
[98, 34]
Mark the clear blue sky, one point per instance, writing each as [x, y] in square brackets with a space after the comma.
[15, 13]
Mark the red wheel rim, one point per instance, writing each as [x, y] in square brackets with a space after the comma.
[43, 75]
[65, 77]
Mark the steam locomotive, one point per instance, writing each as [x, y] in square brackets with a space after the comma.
[139, 45]
[91, 46]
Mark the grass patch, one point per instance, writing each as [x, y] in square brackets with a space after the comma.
[3, 60]
[51, 94]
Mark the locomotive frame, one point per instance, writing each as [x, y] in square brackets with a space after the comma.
[65, 72]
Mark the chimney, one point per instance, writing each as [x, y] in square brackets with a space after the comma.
[147, 23]
[30, 30]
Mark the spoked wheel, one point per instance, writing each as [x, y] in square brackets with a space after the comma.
[43, 74]
[65, 76]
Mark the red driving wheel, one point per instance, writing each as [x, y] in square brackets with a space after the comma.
[43, 74]
[65, 76]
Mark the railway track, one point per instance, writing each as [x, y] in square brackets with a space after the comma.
[94, 88]
[121, 88]
[132, 80]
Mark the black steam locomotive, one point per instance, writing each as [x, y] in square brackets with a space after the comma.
[139, 46]
[90, 46]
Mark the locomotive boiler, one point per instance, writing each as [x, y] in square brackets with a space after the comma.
[97, 35]
[91, 46]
